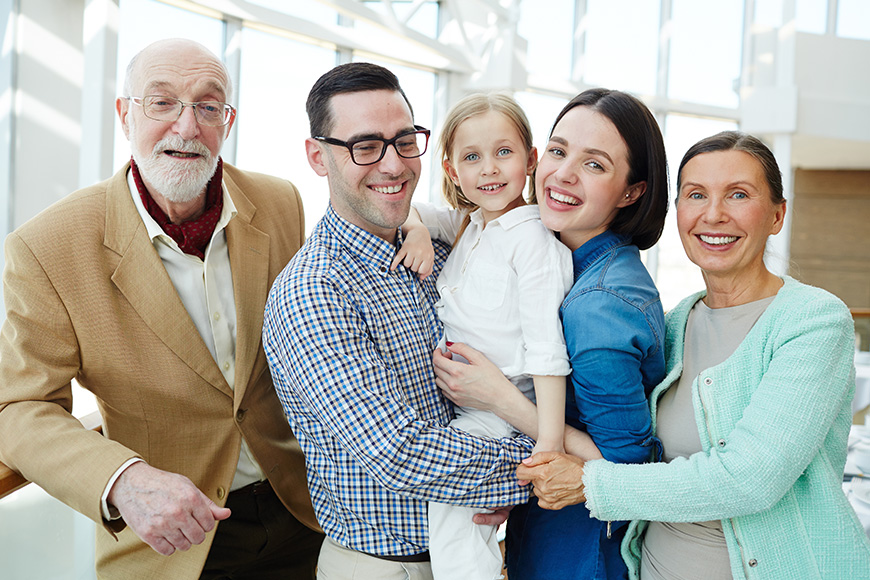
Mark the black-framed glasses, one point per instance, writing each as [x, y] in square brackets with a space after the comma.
[370, 150]
[169, 109]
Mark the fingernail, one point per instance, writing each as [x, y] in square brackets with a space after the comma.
[448, 343]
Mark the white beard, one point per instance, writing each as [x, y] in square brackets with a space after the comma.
[177, 181]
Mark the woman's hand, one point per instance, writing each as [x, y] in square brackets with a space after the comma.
[478, 384]
[557, 479]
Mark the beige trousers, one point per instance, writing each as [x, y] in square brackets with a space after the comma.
[339, 563]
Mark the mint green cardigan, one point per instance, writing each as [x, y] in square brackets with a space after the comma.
[774, 420]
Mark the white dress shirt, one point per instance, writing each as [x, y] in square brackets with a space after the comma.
[206, 290]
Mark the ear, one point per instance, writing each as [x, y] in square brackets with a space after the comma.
[532, 161]
[122, 107]
[314, 153]
[230, 124]
[632, 194]
[778, 219]
[450, 171]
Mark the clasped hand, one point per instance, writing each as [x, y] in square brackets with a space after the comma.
[557, 479]
[166, 510]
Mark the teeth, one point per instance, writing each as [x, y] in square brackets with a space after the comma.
[491, 187]
[388, 189]
[563, 198]
[717, 240]
[182, 154]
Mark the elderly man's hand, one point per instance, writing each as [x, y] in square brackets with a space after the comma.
[164, 509]
[497, 517]
[557, 477]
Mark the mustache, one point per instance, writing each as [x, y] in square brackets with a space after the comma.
[176, 143]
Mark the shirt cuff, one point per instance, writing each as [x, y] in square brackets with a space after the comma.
[110, 512]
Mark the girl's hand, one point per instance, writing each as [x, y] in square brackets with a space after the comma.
[557, 477]
[416, 252]
[478, 384]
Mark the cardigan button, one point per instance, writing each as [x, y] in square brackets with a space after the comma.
[721, 443]
[708, 381]
[753, 563]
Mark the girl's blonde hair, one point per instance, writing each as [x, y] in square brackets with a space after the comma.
[471, 106]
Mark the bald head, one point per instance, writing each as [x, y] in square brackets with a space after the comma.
[186, 56]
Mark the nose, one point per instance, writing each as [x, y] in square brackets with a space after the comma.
[489, 166]
[565, 173]
[714, 212]
[186, 124]
[391, 163]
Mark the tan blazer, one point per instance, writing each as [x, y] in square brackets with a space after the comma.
[87, 297]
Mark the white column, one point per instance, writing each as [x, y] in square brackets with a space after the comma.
[233, 58]
[100, 58]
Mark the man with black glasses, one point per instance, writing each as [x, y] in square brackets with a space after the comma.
[148, 290]
[349, 342]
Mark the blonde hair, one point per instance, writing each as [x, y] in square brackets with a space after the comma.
[471, 106]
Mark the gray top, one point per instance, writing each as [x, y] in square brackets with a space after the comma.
[685, 551]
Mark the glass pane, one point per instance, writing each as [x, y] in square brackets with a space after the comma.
[419, 86]
[549, 29]
[541, 111]
[311, 11]
[811, 16]
[622, 53]
[705, 51]
[145, 21]
[272, 124]
[677, 277]
[853, 19]
[768, 13]
[424, 18]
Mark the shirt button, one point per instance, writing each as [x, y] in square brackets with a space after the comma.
[753, 563]
[227, 366]
[708, 381]
[217, 315]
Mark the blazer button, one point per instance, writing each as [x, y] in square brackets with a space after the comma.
[221, 492]
[753, 563]
[240, 415]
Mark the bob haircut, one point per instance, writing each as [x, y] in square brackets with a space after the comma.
[471, 106]
[643, 220]
[738, 141]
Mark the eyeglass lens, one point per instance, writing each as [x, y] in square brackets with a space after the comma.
[212, 113]
[371, 151]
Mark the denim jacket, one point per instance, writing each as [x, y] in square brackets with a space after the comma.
[614, 330]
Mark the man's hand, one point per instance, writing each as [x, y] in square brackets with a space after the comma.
[557, 477]
[496, 518]
[164, 509]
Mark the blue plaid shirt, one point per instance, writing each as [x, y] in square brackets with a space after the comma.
[349, 345]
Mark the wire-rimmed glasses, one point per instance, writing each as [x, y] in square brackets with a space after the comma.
[169, 109]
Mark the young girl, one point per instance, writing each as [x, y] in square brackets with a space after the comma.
[500, 291]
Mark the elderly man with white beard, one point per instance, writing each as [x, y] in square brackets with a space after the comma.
[148, 290]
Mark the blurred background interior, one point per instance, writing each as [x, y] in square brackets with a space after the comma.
[795, 73]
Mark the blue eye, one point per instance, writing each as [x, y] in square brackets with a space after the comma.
[695, 195]
[472, 157]
[740, 195]
[503, 151]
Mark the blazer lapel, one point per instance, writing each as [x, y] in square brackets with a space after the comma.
[142, 279]
[249, 259]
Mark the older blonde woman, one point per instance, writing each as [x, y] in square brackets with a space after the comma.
[753, 414]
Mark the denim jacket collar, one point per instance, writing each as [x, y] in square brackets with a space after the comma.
[588, 253]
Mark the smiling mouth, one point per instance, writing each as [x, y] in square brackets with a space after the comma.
[491, 188]
[181, 154]
[717, 240]
[387, 189]
[566, 199]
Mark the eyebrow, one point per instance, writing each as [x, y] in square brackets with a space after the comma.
[743, 184]
[589, 150]
[364, 136]
[210, 86]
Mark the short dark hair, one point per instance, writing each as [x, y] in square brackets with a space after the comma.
[643, 220]
[739, 141]
[346, 78]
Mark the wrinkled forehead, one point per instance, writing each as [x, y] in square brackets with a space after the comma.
[190, 72]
